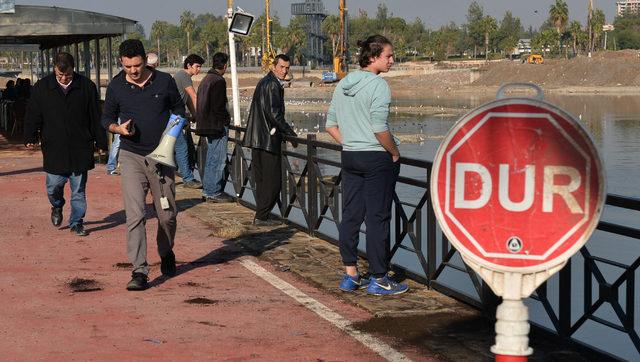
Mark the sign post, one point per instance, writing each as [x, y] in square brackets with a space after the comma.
[518, 188]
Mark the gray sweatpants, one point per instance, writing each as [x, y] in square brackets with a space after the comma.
[139, 176]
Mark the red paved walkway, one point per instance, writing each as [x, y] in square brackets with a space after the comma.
[42, 318]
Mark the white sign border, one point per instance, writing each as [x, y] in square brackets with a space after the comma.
[440, 215]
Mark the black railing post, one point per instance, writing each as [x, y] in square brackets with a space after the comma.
[431, 237]
[312, 184]
[564, 299]
[236, 159]
[284, 181]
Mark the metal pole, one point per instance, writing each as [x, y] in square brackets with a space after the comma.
[87, 59]
[109, 59]
[234, 71]
[76, 56]
[48, 60]
[41, 59]
[97, 64]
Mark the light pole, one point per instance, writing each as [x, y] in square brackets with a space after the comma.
[235, 95]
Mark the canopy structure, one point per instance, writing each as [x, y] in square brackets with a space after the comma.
[52, 28]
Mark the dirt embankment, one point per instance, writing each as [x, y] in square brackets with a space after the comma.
[605, 69]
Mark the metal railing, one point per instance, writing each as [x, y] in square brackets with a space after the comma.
[415, 232]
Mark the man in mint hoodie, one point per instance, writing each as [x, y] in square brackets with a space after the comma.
[357, 119]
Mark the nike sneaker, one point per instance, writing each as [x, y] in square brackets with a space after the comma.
[385, 286]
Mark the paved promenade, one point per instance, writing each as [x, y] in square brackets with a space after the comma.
[241, 293]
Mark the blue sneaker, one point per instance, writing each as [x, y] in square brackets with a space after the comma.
[385, 286]
[350, 284]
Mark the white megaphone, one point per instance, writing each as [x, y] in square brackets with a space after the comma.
[163, 154]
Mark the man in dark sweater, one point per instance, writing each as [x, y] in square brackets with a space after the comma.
[64, 108]
[212, 116]
[143, 99]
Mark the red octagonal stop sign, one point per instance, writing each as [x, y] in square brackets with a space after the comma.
[517, 185]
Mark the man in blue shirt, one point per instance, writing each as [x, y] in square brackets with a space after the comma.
[143, 99]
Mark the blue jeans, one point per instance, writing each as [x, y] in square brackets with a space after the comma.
[112, 163]
[182, 157]
[55, 192]
[213, 181]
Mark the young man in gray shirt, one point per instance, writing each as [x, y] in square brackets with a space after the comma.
[192, 65]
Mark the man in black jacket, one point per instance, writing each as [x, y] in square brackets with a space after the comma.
[64, 108]
[265, 129]
[212, 124]
[143, 99]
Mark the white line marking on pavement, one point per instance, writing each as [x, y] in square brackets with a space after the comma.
[371, 342]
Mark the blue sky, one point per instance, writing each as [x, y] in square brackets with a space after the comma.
[433, 12]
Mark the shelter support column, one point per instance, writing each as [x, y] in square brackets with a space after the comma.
[87, 58]
[109, 60]
[96, 63]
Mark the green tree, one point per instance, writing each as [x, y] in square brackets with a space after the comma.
[598, 20]
[627, 31]
[187, 23]
[331, 28]
[489, 27]
[559, 16]
[475, 16]
[158, 31]
[575, 28]
[506, 37]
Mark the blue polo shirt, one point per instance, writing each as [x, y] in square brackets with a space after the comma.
[149, 107]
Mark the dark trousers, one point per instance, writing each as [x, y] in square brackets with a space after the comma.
[266, 168]
[368, 181]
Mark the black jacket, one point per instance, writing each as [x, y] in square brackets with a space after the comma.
[149, 108]
[212, 114]
[267, 112]
[69, 124]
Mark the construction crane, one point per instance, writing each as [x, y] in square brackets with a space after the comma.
[340, 67]
[268, 54]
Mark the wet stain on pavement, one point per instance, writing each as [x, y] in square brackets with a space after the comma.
[211, 324]
[79, 285]
[201, 301]
[123, 265]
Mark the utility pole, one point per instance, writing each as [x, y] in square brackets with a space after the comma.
[234, 71]
[590, 27]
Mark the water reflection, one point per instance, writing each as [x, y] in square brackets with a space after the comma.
[613, 121]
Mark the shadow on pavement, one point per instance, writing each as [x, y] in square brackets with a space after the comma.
[20, 172]
[251, 244]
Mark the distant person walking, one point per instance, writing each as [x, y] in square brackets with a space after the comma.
[265, 128]
[143, 98]
[212, 123]
[192, 65]
[63, 107]
[357, 119]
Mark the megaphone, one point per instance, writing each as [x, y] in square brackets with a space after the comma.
[163, 154]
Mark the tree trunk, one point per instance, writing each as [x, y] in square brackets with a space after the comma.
[486, 46]
[158, 40]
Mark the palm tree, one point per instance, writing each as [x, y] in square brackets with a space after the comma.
[187, 24]
[559, 14]
[159, 30]
[575, 28]
[489, 27]
[331, 28]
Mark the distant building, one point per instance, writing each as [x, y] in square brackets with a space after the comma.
[523, 47]
[625, 6]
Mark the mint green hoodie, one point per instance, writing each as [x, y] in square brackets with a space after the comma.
[360, 108]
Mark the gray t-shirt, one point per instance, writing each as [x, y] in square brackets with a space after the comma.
[183, 80]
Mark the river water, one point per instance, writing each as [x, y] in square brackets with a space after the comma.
[614, 124]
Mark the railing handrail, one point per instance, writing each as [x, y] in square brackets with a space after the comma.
[318, 199]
